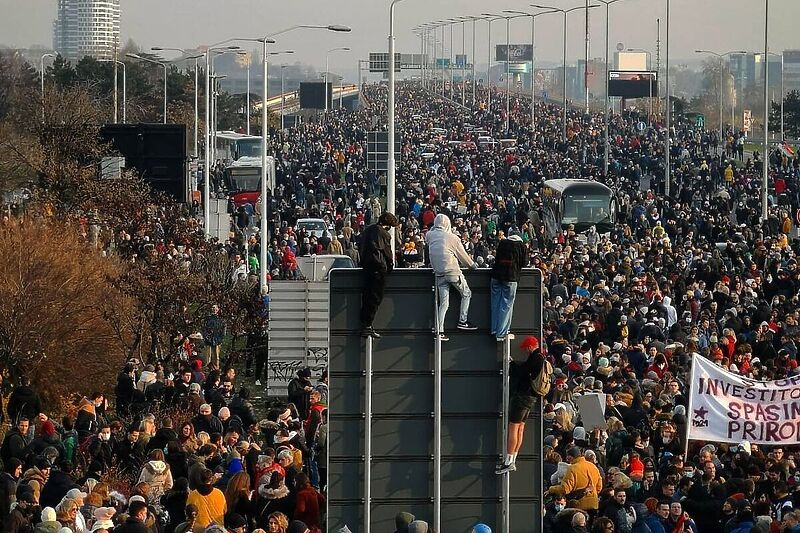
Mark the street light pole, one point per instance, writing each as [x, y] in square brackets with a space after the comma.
[606, 112]
[41, 72]
[765, 155]
[283, 97]
[391, 172]
[533, 57]
[265, 237]
[164, 65]
[721, 57]
[668, 114]
[124, 88]
[327, 56]
[564, 12]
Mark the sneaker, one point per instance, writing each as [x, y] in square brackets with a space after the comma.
[369, 332]
[467, 326]
[258, 383]
[510, 337]
[504, 469]
[443, 337]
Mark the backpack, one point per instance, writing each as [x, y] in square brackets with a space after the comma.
[540, 384]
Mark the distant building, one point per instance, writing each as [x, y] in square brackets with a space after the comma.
[86, 28]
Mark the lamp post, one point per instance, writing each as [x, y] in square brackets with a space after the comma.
[265, 144]
[124, 88]
[164, 65]
[606, 111]
[720, 58]
[283, 96]
[783, 94]
[327, 63]
[196, 89]
[508, 64]
[564, 12]
[765, 155]
[41, 72]
[533, 55]
[391, 177]
[650, 84]
[668, 113]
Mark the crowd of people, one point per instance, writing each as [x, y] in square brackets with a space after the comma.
[695, 274]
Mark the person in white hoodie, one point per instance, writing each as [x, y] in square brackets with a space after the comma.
[157, 474]
[446, 253]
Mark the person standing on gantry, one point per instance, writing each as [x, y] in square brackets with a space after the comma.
[375, 249]
[446, 252]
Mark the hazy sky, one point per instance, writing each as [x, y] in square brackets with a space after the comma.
[719, 25]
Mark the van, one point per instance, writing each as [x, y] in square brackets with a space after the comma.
[312, 226]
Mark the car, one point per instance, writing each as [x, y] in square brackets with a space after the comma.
[313, 226]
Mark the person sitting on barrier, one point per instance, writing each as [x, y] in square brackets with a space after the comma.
[511, 258]
[375, 249]
[522, 400]
[446, 251]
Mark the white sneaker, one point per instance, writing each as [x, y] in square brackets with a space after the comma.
[258, 382]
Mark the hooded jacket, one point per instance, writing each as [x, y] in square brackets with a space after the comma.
[445, 249]
[159, 476]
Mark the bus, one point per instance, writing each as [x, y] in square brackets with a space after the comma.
[230, 146]
[579, 202]
[243, 179]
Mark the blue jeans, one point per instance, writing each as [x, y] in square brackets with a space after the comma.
[443, 284]
[503, 295]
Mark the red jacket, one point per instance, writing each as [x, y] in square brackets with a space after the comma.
[307, 508]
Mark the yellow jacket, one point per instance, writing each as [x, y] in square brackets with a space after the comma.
[581, 474]
[211, 508]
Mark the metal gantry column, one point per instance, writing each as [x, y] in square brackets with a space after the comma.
[507, 476]
[464, 64]
[474, 86]
[668, 111]
[437, 413]
[368, 437]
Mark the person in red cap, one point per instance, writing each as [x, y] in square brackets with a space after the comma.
[522, 400]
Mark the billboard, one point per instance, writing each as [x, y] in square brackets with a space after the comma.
[631, 61]
[156, 151]
[514, 53]
[461, 60]
[402, 441]
[633, 84]
[313, 94]
[379, 62]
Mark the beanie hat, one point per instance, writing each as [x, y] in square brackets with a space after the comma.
[637, 467]
[297, 527]
[602, 362]
[530, 343]
[579, 433]
[48, 514]
[481, 528]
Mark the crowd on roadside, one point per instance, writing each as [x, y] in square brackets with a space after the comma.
[696, 274]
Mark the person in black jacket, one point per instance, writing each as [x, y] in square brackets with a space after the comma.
[521, 402]
[376, 261]
[24, 401]
[8, 486]
[15, 444]
[511, 258]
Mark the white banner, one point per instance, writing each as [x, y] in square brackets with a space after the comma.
[725, 407]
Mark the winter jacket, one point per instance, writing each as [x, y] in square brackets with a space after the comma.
[24, 402]
[375, 249]
[162, 437]
[581, 475]
[14, 445]
[158, 475]
[57, 486]
[619, 515]
[308, 505]
[47, 527]
[211, 507]
[86, 421]
[511, 258]
[445, 249]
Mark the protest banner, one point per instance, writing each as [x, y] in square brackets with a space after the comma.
[726, 407]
